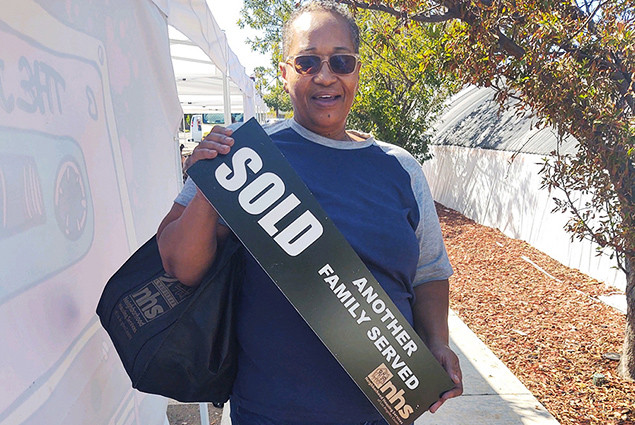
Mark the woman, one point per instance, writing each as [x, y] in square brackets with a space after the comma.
[376, 195]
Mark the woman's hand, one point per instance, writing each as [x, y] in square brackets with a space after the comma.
[218, 141]
[450, 363]
[431, 323]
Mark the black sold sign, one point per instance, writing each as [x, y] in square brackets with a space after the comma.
[276, 217]
[261, 194]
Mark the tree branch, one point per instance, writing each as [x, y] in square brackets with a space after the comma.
[588, 22]
[396, 64]
[624, 82]
[447, 16]
[509, 45]
[620, 76]
[420, 17]
[593, 235]
[453, 12]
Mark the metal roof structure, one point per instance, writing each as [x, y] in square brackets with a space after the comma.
[472, 118]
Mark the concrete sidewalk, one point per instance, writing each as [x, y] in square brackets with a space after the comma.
[492, 395]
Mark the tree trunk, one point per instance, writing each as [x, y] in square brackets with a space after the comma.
[626, 368]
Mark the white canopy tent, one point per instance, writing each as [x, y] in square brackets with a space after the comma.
[200, 84]
[209, 76]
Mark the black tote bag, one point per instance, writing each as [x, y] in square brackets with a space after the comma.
[175, 340]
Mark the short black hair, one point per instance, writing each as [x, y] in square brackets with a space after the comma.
[321, 5]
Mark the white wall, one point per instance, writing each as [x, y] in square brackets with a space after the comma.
[500, 190]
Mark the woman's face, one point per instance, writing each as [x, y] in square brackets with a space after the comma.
[322, 101]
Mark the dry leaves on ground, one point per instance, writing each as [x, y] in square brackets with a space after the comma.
[550, 331]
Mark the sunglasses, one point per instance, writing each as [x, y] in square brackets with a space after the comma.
[340, 63]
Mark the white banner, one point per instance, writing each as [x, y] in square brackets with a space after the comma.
[88, 167]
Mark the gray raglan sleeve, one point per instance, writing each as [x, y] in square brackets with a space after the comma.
[186, 194]
[434, 263]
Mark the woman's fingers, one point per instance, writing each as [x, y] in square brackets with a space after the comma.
[220, 134]
[450, 361]
[221, 146]
[218, 141]
[455, 392]
[436, 406]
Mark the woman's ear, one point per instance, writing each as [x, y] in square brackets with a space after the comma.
[283, 73]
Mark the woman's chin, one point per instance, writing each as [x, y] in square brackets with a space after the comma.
[329, 122]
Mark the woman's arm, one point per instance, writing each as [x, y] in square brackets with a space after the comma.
[189, 235]
[431, 323]
[188, 238]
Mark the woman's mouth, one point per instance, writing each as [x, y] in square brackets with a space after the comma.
[326, 99]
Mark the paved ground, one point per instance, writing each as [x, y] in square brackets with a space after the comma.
[189, 414]
[492, 394]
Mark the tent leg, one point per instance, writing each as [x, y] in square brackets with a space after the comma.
[204, 413]
[227, 101]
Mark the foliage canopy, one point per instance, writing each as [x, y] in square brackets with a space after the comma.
[401, 90]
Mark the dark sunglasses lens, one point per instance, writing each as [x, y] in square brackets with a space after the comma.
[343, 64]
[307, 64]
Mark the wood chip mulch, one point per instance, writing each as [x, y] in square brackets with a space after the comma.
[550, 331]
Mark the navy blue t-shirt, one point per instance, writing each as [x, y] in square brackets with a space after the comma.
[377, 197]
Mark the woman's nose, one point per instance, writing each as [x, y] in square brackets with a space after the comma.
[325, 75]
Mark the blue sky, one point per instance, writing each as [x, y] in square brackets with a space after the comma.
[227, 13]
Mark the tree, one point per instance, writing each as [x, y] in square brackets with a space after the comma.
[278, 99]
[400, 90]
[398, 96]
[271, 90]
[268, 16]
[572, 64]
